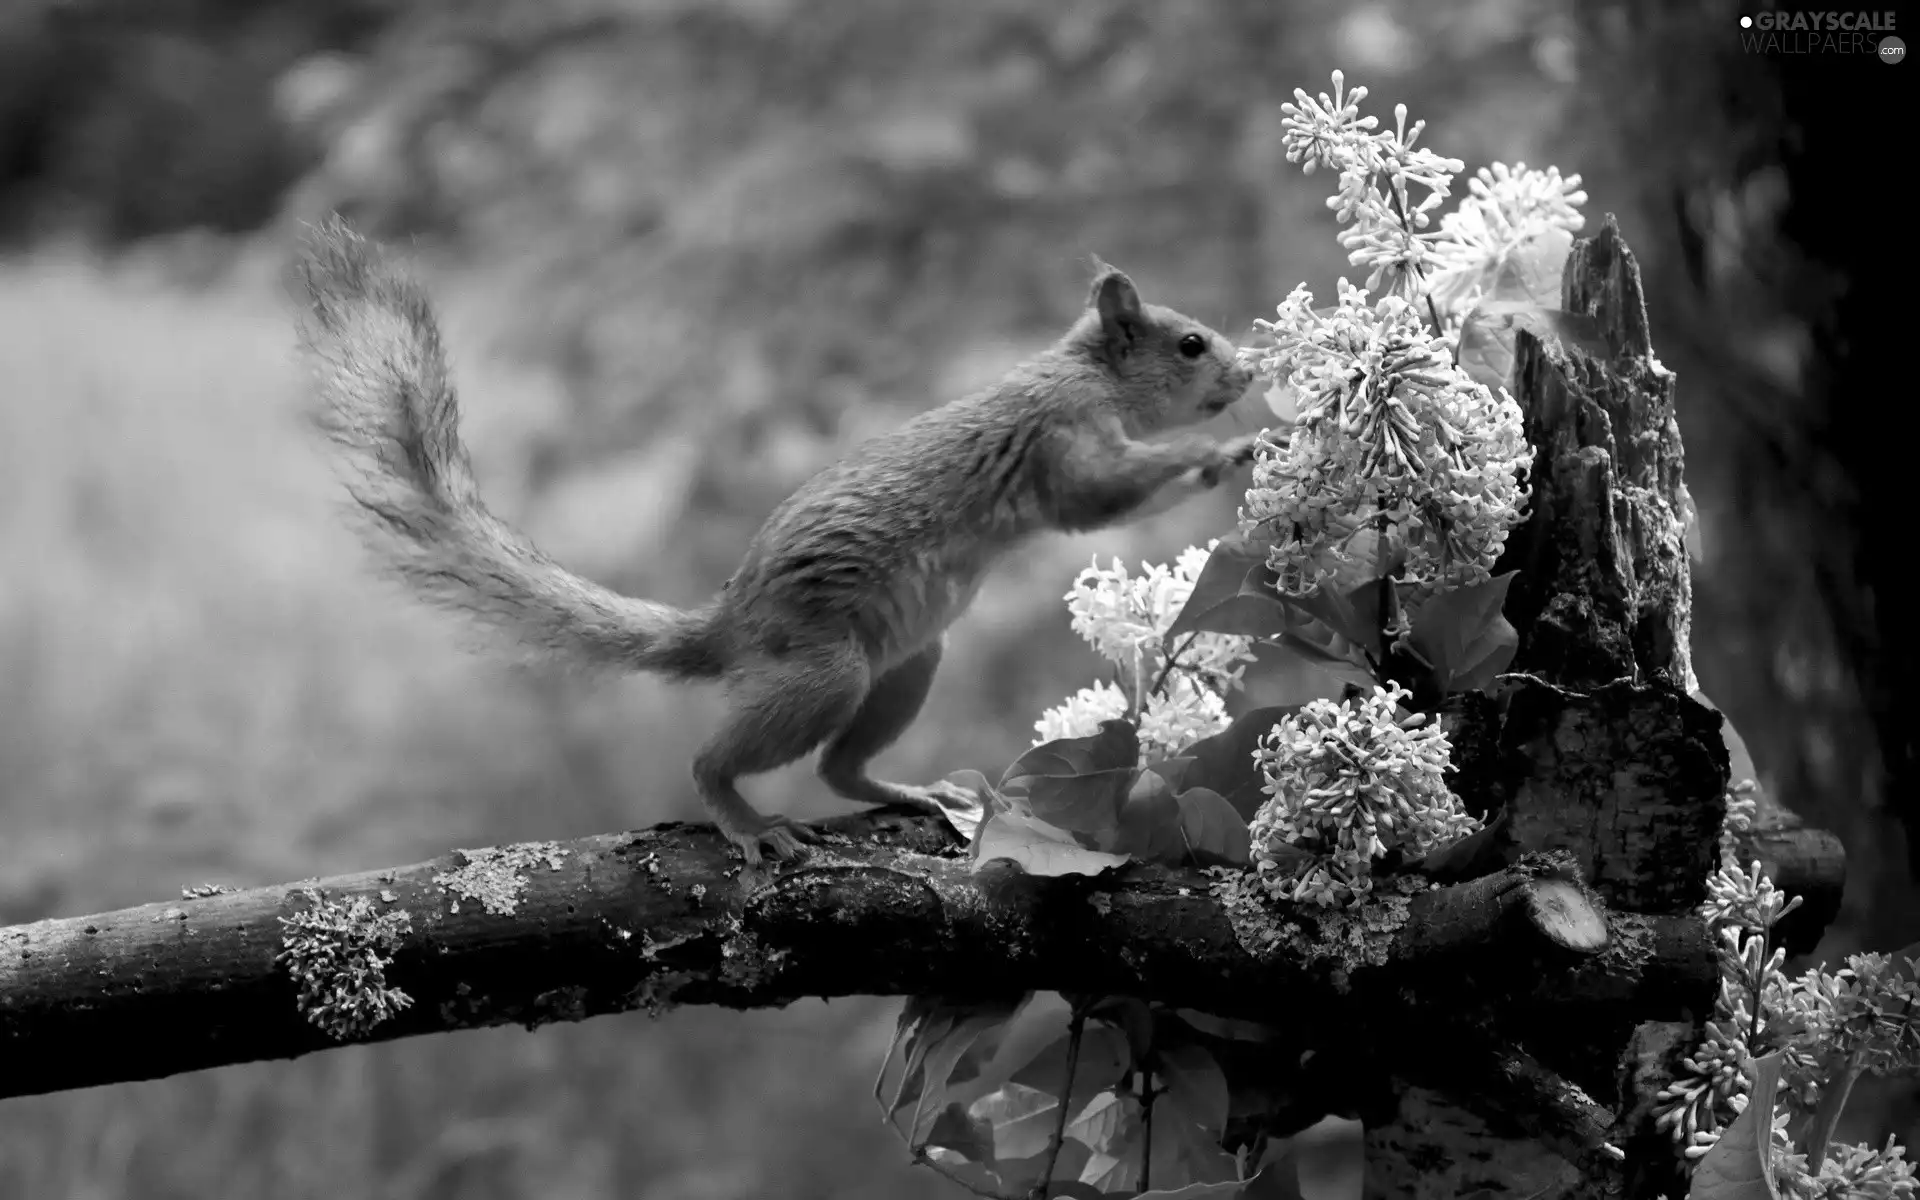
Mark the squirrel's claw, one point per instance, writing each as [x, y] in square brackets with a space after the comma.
[1240, 451]
[782, 839]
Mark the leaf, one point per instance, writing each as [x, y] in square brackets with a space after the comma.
[976, 1177]
[1486, 350]
[1317, 641]
[1132, 1017]
[1739, 758]
[1531, 271]
[1104, 1057]
[1843, 1071]
[1196, 1089]
[1019, 1176]
[1103, 1122]
[1277, 1177]
[965, 1135]
[1019, 1119]
[912, 1014]
[1487, 657]
[1339, 666]
[977, 1034]
[1280, 676]
[1253, 611]
[1112, 1174]
[1172, 770]
[1002, 1050]
[1690, 535]
[1353, 614]
[924, 1020]
[1077, 784]
[935, 1046]
[1375, 605]
[966, 819]
[1338, 622]
[1197, 825]
[1330, 1157]
[1150, 822]
[1073, 1189]
[1215, 833]
[1225, 1028]
[1224, 763]
[1450, 622]
[1196, 1191]
[1480, 853]
[1040, 848]
[1462, 634]
[1367, 554]
[1739, 1166]
[1184, 1152]
[1233, 594]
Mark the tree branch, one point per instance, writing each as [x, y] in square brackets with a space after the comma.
[1802, 861]
[662, 917]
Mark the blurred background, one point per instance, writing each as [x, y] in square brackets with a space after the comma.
[685, 251]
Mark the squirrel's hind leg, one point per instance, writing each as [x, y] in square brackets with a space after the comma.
[778, 710]
[886, 712]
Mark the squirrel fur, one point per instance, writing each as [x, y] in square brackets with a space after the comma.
[829, 633]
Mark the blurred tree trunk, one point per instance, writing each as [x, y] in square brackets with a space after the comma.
[1754, 181]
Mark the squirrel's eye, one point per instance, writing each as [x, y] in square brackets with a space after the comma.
[1193, 345]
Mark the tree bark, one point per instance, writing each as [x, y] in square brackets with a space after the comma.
[564, 931]
[1604, 590]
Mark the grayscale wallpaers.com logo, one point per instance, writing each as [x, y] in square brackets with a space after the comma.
[1822, 33]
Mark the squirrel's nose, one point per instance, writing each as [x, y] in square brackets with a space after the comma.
[1242, 377]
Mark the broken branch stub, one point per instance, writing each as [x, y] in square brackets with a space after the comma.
[1604, 590]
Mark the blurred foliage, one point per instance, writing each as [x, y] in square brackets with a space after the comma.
[126, 118]
[687, 250]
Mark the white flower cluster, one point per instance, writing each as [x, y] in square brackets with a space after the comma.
[1743, 805]
[1348, 782]
[1867, 1012]
[1082, 713]
[1505, 207]
[1378, 171]
[1177, 716]
[1850, 1171]
[1868, 1006]
[1125, 618]
[1747, 899]
[1389, 229]
[1392, 440]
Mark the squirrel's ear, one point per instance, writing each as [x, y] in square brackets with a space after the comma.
[1113, 294]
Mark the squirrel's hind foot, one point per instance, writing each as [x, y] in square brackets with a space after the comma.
[780, 838]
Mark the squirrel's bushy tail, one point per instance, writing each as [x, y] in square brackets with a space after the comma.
[380, 377]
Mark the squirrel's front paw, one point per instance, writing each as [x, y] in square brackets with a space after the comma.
[1239, 451]
[1224, 457]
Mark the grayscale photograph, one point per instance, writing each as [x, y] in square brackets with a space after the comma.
[912, 600]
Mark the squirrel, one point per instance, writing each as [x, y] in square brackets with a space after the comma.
[829, 633]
